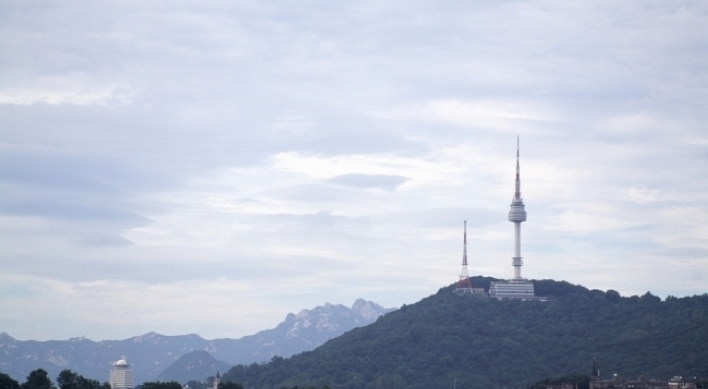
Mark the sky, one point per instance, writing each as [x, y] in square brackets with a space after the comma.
[208, 167]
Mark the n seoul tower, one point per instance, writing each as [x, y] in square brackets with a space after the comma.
[517, 287]
[517, 214]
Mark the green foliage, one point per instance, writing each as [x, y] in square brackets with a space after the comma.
[578, 381]
[6, 382]
[161, 385]
[67, 379]
[702, 383]
[485, 343]
[193, 384]
[230, 385]
[306, 387]
[38, 379]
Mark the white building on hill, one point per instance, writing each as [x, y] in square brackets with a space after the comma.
[121, 375]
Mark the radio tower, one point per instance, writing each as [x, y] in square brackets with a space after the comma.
[517, 287]
[517, 214]
[464, 285]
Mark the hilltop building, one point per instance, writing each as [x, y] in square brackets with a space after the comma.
[121, 375]
[517, 287]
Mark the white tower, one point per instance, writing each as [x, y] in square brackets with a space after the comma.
[517, 214]
[121, 375]
[517, 287]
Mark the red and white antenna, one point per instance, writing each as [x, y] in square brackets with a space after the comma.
[464, 285]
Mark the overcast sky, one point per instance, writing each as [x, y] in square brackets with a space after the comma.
[208, 167]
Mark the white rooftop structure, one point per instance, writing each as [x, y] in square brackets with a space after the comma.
[121, 375]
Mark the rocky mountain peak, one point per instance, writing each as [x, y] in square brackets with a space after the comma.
[79, 339]
[368, 310]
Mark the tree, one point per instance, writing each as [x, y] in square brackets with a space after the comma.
[67, 379]
[161, 385]
[579, 381]
[230, 385]
[193, 384]
[6, 382]
[38, 379]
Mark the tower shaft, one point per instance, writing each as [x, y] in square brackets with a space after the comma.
[516, 259]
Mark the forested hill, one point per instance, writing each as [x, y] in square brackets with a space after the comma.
[485, 343]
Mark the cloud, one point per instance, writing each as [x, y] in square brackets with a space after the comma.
[640, 195]
[66, 210]
[202, 151]
[443, 218]
[67, 92]
[368, 181]
[508, 116]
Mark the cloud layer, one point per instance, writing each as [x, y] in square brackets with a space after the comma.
[209, 167]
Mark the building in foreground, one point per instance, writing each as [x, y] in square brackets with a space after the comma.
[121, 375]
[642, 382]
[517, 287]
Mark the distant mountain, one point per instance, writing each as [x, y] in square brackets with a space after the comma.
[151, 354]
[483, 343]
[197, 365]
[148, 355]
[302, 332]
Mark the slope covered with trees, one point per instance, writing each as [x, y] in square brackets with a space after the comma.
[484, 343]
[197, 365]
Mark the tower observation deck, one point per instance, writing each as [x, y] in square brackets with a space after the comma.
[517, 287]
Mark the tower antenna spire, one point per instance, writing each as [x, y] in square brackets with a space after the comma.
[517, 193]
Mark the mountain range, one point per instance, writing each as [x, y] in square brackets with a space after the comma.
[152, 354]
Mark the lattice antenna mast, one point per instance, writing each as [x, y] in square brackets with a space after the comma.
[465, 284]
[464, 273]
